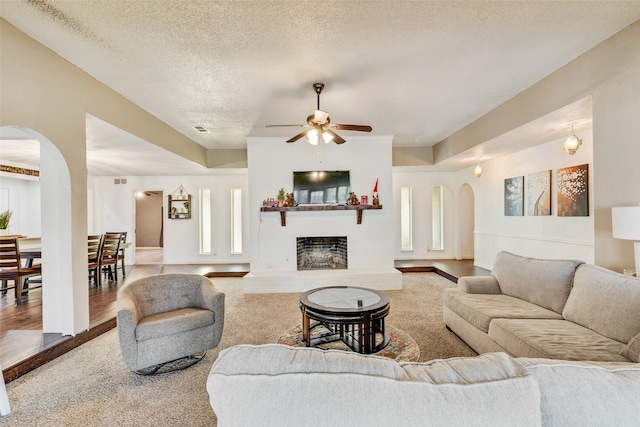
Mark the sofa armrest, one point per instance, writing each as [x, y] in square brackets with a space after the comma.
[212, 297]
[128, 315]
[479, 285]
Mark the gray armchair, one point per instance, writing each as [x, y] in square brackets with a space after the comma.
[167, 317]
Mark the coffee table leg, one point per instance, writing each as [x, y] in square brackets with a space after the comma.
[368, 345]
[306, 336]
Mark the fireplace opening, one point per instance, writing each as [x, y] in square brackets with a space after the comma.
[322, 253]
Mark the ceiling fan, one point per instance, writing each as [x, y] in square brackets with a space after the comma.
[321, 125]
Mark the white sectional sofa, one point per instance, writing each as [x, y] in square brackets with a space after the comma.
[556, 309]
[278, 385]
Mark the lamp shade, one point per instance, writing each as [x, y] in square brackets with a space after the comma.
[626, 222]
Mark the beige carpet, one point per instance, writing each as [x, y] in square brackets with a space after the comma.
[91, 386]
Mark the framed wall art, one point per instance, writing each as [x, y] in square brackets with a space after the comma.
[539, 193]
[573, 190]
[514, 196]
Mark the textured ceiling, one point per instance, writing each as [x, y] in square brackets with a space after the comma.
[417, 70]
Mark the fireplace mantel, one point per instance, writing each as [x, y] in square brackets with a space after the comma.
[283, 210]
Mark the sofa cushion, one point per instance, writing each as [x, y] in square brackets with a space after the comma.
[554, 339]
[632, 350]
[173, 322]
[166, 292]
[544, 282]
[292, 386]
[465, 370]
[606, 302]
[578, 395]
[280, 359]
[481, 309]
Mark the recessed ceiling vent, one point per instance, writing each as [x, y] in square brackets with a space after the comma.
[201, 129]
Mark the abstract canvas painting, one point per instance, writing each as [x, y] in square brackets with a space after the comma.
[573, 191]
[539, 193]
[514, 196]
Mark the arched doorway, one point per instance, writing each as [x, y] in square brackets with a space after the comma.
[465, 223]
[64, 302]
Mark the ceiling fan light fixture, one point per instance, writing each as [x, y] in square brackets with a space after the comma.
[327, 137]
[572, 143]
[312, 135]
[321, 117]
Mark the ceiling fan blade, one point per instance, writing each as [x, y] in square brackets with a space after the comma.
[336, 138]
[282, 126]
[359, 128]
[297, 137]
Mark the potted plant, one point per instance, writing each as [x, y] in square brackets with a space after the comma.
[5, 218]
[281, 197]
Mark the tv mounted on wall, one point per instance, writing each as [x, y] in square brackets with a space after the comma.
[321, 187]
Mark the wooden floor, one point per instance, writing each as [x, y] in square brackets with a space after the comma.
[24, 347]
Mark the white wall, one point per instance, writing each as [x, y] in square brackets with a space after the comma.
[536, 236]
[271, 166]
[22, 197]
[273, 247]
[114, 207]
[421, 182]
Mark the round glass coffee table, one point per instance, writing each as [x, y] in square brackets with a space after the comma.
[350, 314]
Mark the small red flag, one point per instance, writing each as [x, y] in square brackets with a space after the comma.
[375, 188]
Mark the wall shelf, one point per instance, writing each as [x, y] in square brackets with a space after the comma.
[283, 210]
[182, 205]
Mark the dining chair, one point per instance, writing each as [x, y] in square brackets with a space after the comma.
[11, 268]
[123, 240]
[109, 256]
[93, 246]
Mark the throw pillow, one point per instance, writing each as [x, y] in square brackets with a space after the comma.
[632, 350]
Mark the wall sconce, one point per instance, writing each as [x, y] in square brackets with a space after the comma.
[626, 225]
[572, 143]
[477, 171]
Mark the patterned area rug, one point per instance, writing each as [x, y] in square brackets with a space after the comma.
[401, 346]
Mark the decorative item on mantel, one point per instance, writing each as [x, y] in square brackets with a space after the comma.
[289, 200]
[281, 197]
[353, 199]
[270, 202]
[376, 200]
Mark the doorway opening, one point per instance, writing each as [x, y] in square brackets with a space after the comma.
[149, 227]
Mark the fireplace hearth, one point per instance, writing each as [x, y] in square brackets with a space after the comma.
[322, 253]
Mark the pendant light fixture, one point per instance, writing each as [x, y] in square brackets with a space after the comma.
[477, 171]
[572, 143]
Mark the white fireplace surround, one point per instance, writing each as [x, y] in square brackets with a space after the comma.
[273, 266]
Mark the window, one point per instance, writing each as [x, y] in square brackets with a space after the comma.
[205, 221]
[437, 230]
[236, 220]
[405, 219]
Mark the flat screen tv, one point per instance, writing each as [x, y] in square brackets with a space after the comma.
[321, 187]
